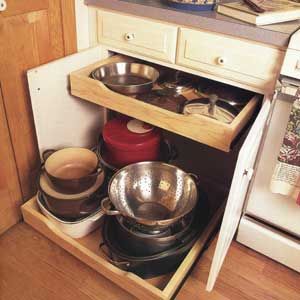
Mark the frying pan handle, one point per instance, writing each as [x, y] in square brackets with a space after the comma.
[106, 206]
[109, 257]
[195, 177]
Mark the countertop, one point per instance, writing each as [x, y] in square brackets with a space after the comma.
[277, 34]
[34, 268]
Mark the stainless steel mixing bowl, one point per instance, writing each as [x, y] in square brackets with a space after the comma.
[127, 78]
[151, 193]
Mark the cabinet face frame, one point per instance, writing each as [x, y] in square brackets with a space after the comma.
[237, 204]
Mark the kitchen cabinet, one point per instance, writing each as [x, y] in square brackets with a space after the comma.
[239, 60]
[153, 39]
[31, 33]
[80, 65]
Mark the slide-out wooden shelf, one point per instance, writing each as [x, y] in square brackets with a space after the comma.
[87, 250]
[199, 128]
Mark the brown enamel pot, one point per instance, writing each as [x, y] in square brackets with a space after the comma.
[72, 170]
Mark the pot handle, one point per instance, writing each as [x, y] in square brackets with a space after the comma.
[195, 177]
[47, 153]
[107, 210]
[90, 205]
[97, 172]
[109, 257]
[172, 151]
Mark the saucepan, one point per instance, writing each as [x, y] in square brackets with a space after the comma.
[127, 78]
[72, 206]
[151, 193]
[72, 170]
[168, 153]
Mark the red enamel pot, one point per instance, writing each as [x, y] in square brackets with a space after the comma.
[129, 141]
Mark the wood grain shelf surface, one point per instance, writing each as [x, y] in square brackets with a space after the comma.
[87, 250]
[199, 128]
[34, 268]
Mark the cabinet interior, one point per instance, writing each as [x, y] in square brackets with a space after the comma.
[215, 169]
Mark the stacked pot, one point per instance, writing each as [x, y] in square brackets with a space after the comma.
[125, 141]
[71, 186]
[151, 222]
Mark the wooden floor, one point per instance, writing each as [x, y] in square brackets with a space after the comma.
[34, 268]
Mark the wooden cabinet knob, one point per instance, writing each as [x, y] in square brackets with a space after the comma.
[129, 36]
[3, 5]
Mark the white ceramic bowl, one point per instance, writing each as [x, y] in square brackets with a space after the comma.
[75, 229]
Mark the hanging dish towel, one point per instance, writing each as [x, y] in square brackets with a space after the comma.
[286, 176]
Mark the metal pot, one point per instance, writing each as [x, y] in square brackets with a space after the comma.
[151, 193]
[144, 266]
[127, 78]
[138, 243]
[160, 263]
[175, 83]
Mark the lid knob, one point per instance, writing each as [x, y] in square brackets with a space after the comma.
[213, 98]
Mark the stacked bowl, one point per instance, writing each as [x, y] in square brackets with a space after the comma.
[71, 186]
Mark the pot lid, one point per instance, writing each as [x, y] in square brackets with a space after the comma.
[232, 95]
[175, 83]
[128, 134]
[211, 107]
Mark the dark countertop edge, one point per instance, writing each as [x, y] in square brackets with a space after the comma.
[238, 29]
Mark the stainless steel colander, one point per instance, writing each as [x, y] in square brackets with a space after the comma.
[151, 193]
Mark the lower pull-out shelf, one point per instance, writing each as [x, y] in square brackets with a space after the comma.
[87, 250]
[196, 127]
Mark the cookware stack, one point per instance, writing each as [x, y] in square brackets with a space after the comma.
[125, 141]
[150, 210]
[172, 90]
[71, 185]
[152, 223]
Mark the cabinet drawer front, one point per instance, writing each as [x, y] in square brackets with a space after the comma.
[238, 60]
[152, 39]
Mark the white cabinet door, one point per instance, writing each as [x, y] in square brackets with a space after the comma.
[241, 178]
[60, 119]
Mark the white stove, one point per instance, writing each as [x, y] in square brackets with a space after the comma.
[271, 222]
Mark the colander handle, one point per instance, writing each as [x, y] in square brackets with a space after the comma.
[106, 206]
